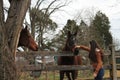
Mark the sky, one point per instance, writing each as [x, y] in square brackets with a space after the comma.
[110, 7]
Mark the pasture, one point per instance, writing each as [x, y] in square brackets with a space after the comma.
[54, 75]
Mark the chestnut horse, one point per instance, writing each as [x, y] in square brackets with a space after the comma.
[69, 60]
[27, 40]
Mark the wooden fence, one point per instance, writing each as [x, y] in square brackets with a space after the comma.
[111, 54]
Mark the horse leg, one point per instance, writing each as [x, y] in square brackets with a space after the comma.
[68, 75]
[76, 74]
[61, 75]
[73, 75]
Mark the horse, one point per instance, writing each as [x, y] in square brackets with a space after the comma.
[69, 60]
[27, 40]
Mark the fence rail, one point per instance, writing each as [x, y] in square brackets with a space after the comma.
[41, 67]
[52, 53]
[63, 67]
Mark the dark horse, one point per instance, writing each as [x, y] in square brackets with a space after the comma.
[69, 60]
[27, 40]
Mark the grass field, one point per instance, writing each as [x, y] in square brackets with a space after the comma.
[83, 75]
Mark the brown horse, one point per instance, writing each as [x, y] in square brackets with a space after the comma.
[69, 60]
[27, 40]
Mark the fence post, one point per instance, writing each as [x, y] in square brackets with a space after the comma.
[110, 62]
[114, 69]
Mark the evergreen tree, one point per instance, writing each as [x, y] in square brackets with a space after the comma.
[100, 27]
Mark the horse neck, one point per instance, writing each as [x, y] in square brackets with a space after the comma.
[67, 48]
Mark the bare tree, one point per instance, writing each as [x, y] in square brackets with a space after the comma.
[41, 16]
[9, 35]
[84, 18]
[116, 42]
[87, 15]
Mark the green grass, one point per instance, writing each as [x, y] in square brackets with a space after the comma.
[83, 75]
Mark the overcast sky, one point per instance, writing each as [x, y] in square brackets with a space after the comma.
[110, 7]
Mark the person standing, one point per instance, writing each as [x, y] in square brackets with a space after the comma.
[96, 58]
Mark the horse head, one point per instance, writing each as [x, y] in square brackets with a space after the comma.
[71, 40]
[27, 40]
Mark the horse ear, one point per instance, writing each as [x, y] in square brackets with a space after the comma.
[26, 27]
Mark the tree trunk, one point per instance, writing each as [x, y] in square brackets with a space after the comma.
[14, 21]
[9, 37]
[2, 37]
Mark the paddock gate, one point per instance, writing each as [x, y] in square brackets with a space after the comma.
[26, 62]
